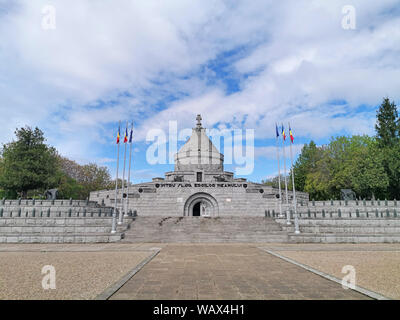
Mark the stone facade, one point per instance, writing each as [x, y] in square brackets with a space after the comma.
[198, 186]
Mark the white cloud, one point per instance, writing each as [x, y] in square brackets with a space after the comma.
[270, 152]
[150, 61]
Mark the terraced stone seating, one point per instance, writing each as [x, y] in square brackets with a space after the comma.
[59, 221]
[87, 221]
[345, 230]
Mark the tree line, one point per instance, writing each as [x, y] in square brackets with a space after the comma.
[29, 167]
[370, 166]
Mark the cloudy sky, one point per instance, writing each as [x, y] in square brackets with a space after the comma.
[241, 64]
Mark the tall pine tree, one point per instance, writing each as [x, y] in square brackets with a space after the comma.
[387, 126]
[388, 137]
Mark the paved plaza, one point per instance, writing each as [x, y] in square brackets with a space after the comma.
[207, 271]
[196, 271]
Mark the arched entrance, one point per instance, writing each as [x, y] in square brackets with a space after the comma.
[197, 209]
[201, 204]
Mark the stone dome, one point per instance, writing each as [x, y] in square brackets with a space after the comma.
[199, 153]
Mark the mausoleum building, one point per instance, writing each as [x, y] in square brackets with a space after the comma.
[198, 186]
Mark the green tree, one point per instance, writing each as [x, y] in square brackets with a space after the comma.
[94, 178]
[387, 125]
[306, 163]
[77, 181]
[274, 182]
[70, 188]
[345, 163]
[319, 176]
[368, 174]
[28, 163]
[392, 167]
[388, 137]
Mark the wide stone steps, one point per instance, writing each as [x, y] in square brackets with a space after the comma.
[202, 229]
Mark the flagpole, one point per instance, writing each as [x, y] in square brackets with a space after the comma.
[123, 179]
[279, 171]
[286, 189]
[114, 217]
[129, 170]
[296, 220]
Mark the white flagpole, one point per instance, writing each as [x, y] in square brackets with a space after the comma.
[114, 217]
[296, 220]
[123, 180]
[129, 171]
[279, 171]
[286, 189]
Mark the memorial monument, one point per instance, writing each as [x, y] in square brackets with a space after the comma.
[198, 186]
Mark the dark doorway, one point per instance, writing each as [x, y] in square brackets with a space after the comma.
[196, 210]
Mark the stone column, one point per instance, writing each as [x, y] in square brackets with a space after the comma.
[202, 209]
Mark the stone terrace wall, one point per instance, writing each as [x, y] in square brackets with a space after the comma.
[344, 209]
[345, 222]
[56, 221]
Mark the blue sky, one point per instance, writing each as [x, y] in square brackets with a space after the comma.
[241, 64]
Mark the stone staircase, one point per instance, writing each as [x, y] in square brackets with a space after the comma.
[204, 229]
[345, 230]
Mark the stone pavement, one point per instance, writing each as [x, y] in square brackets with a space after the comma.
[82, 270]
[226, 271]
[78, 274]
[376, 265]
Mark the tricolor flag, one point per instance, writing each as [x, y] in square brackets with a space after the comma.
[277, 132]
[130, 136]
[283, 133]
[291, 135]
[126, 135]
[118, 135]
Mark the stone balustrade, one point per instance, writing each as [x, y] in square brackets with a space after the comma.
[52, 208]
[351, 203]
[342, 212]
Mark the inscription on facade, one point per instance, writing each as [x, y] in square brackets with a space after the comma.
[201, 185]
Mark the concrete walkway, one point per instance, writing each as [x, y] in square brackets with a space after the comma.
[226, 271]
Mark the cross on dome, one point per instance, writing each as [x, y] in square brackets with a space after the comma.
[198, 118]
